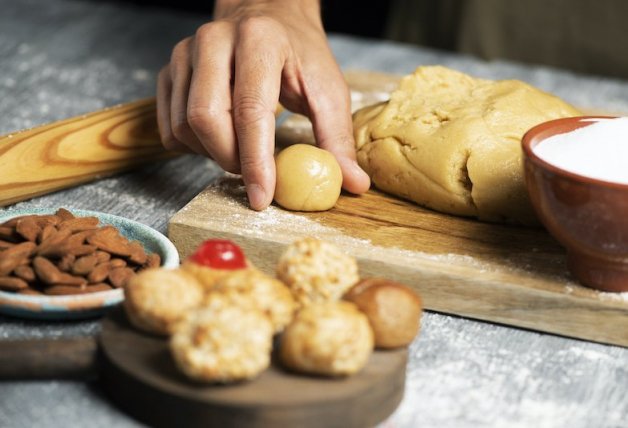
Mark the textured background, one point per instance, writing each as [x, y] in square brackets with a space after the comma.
[60, 58]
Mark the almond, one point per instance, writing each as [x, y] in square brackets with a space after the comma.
[84, 265]
[110, 243]
[102, 256]
[99, 273]
[118, 277]
[25, 272]
[14, 257]
[79, 224]
[11, 283]
[46, 232]
[4, 245]
[64, 214]
[28, 229]
[66, 262]
[9, 234]
[48, 273]
[138, 255]
[60, 290]
[152, 261]
[50, 243]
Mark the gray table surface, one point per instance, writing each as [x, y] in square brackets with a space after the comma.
[60, 58]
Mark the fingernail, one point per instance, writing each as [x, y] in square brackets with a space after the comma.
[257, 196]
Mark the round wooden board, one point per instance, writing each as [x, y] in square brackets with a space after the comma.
[140, 376]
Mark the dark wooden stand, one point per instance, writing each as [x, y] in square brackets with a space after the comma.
[140, 376]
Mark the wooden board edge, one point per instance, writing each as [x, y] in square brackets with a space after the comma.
[444, 291]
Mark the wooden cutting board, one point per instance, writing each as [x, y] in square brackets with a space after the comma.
[499, 273]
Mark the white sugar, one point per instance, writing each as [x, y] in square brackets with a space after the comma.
[597, 151]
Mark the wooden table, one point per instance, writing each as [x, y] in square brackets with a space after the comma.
[61, 58]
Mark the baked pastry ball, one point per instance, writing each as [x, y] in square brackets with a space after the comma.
[253, 288]
[308, 178]
[156, 299]
[222, 342]
[206, 276]
[214, 259]
[331, 338]
[316, 271]
[393, 309]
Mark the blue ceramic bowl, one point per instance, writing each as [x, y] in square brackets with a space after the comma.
[85, 305]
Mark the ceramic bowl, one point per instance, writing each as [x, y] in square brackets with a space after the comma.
[84, 305]
[589, 217]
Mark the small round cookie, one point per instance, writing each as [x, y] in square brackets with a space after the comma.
[393, 309]
[156, 299]
[263, 292]
[308, 178]
[222, 342]
[214, 259]
[206, 276]
[316, 271]
[332, 339]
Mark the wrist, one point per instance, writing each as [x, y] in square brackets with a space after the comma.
[229, 8]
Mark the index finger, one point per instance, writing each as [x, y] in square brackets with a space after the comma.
[330, 113]
[258, 68]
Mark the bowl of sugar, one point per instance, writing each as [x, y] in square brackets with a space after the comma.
[576, 172]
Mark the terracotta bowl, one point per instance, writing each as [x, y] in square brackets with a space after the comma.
[589, 217]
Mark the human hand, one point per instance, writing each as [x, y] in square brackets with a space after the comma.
[218, 95]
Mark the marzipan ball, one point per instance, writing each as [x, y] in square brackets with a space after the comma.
[393, 309]
[331, 339]
[316, 271]
[252, 288]
[222, 342]
[156, 299]
[308, 178]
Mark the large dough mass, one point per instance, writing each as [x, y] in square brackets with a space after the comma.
[451, 142]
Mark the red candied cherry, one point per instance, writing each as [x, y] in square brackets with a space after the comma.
[219, 254]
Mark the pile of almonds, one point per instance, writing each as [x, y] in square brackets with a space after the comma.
[61, 254]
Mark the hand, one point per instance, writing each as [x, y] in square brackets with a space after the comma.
[218, 95]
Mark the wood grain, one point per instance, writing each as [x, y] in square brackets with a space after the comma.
[506, 274]
[140, 376]
[77, 150]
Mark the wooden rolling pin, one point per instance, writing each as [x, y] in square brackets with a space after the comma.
[62, 154]
[77, 150]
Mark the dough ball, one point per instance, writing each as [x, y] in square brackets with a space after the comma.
[308, 178]
[156, 299]
[393, 310]
[252, 288]
[222, 342]
[316, 271]
[451, 142]
[332, 339]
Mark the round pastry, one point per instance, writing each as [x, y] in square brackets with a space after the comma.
[308, 178]
[332, 339]
[316, 271]
[156, 299]
[393, 309]
[222, 342]
[214, 259]
[251, 287]
[206, 276]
